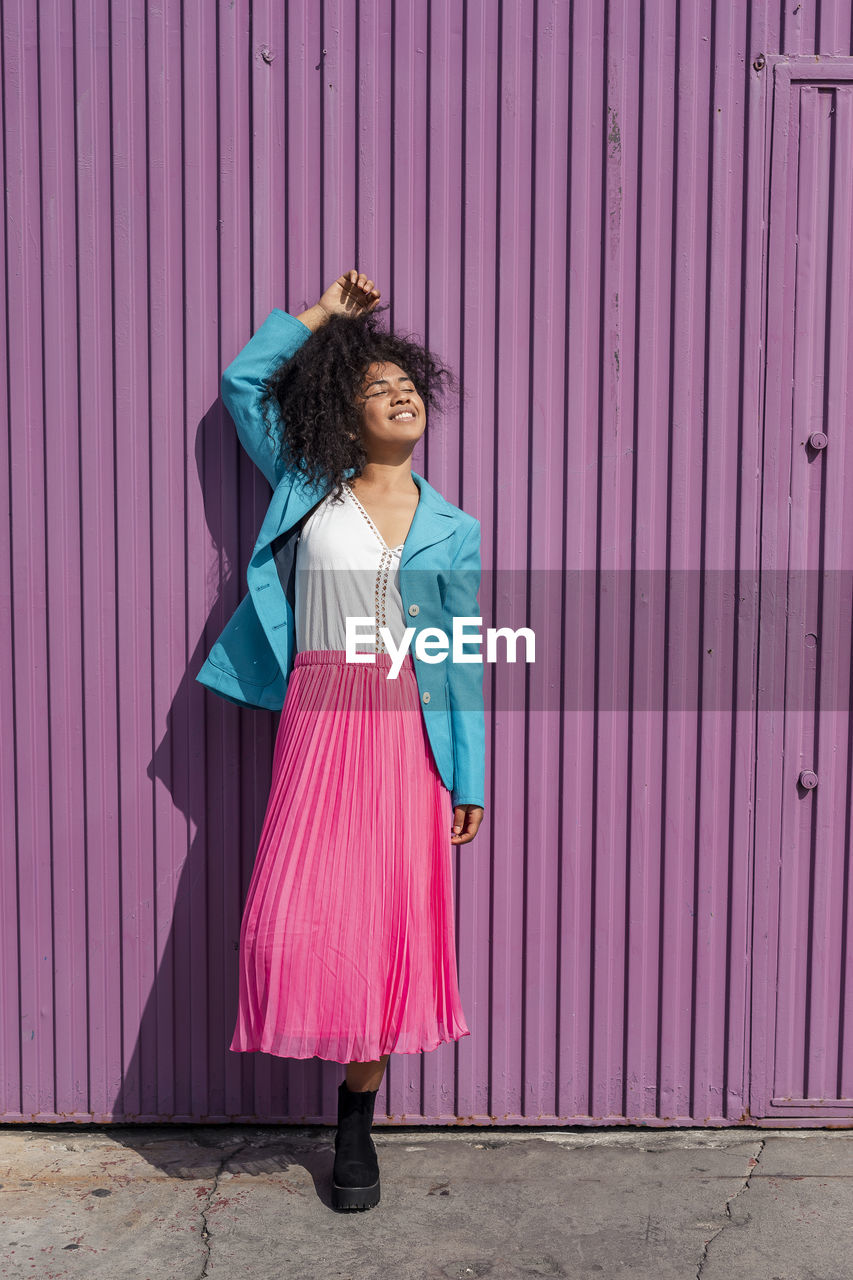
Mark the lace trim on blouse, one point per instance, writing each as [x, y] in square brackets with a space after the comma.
[386, 560]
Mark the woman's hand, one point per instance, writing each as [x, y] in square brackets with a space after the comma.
[350, 295]
[466, 822]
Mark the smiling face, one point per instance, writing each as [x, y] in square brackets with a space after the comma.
[392, 412]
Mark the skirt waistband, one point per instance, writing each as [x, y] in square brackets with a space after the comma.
[338, 658]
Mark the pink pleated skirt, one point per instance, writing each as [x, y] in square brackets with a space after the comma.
[347, 946]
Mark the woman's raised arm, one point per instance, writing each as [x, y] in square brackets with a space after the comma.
[280, 335]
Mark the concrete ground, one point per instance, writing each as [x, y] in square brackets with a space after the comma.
[198, 1201]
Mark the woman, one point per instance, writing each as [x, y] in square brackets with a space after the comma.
[347, 947]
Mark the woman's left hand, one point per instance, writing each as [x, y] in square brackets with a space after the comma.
[466, 822]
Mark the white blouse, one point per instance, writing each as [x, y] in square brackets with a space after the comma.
[344, 569]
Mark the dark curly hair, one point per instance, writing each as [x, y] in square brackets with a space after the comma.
[316, 396]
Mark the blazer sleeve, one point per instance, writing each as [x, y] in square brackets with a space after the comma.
[279, 337]
[465, 679]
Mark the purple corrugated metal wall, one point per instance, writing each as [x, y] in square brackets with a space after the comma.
[628, 226]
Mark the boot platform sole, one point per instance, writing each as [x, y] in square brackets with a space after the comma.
[355, 1197]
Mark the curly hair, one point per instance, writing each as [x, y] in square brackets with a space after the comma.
[315, 396]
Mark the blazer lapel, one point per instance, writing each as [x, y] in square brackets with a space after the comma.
[432, 522]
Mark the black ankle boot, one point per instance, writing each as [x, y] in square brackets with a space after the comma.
[355, 1177]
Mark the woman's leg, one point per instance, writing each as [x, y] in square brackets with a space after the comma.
[355, 1173]
[362, 1076]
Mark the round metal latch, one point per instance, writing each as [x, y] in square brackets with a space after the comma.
[414, 610]
[817, 440]
[808, 779]
[426, 696]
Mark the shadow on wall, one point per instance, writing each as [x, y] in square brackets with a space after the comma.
[215, 762]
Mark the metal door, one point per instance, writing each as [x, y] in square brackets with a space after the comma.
[802, 999]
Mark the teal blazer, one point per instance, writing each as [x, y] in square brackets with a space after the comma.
[251, 661]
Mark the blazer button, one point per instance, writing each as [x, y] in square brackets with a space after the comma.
[426, 696]
[414, 610]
